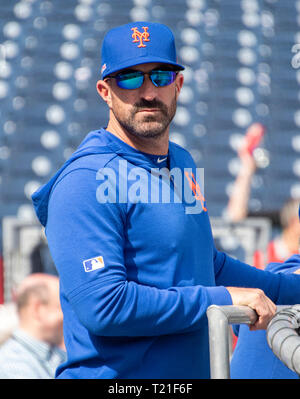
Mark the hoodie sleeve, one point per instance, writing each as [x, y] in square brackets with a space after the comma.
[281, 288]
[79, 230]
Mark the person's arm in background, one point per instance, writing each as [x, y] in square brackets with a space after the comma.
[237, 208]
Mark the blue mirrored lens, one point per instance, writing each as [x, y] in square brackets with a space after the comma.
[131, 80]
[134, 79]
[162, 78]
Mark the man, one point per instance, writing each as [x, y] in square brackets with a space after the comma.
[128, 230]
[35, 348]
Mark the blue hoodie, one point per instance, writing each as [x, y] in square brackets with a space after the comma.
[136, 273]
[252, 357]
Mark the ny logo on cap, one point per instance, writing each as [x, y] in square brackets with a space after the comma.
[139, 37]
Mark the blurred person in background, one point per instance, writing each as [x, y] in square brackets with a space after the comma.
[285, 243]
[252, 357]
[36, 346]
[8, 320]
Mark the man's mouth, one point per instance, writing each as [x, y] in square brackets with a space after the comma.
[149, 110]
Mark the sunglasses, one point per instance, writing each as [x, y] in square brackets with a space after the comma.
[131, 79]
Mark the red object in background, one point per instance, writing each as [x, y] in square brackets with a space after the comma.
[234, 341]
[259, 260]
[1, 280]
[253, 137]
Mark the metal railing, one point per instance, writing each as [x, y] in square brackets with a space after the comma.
[219, 319]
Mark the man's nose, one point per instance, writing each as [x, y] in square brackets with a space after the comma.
[148, 90]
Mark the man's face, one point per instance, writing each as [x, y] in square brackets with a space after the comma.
[51, 316]
[145, 112]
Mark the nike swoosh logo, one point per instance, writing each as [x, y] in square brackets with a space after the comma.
[159, 160]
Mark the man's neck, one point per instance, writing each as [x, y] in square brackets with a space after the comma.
[155, 146]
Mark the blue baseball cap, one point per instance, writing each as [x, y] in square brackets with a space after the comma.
[137, 43]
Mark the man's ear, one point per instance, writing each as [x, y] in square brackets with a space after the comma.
[104, 91]
[179, 83]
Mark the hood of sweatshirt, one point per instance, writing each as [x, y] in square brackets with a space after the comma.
[100, 142]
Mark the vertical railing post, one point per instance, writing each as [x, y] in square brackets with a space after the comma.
[219, 318]
[218, 343]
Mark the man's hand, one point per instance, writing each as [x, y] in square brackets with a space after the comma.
[256, 300]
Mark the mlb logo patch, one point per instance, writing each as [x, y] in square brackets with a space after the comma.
[93, 264]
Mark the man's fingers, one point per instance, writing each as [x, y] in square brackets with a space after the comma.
[265, 310]
[256, 300]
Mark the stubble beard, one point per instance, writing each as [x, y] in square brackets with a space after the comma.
[149, 126]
